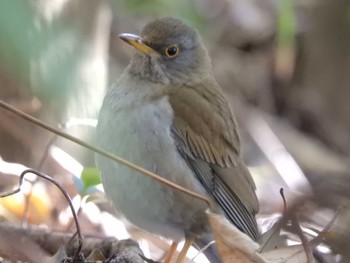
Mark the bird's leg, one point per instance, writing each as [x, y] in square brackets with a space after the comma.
[182, 255]
[171, 252]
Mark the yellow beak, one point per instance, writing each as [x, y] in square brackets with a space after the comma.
[136, 42]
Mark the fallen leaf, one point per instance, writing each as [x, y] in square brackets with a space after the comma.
[232, 244]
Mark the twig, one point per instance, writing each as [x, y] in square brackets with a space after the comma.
[304, 240]
[29, 195]
[80, 239]
[103, 153]
[318, 239]
[284, 200]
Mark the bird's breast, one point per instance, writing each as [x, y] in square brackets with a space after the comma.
[142, 135]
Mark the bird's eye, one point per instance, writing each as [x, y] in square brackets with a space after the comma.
[171, 51]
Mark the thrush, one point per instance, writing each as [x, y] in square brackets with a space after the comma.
[167, 114]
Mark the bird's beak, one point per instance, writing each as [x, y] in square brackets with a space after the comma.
[136, 42]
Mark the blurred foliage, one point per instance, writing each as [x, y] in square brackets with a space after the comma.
[15, 45]
[286, 22]
[182, 9]
[43, 51]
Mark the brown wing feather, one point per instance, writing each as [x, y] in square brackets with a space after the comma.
[205, 123]
[206, 135]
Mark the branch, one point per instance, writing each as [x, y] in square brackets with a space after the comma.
[103, 153]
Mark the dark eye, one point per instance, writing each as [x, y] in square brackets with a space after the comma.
[172, 51]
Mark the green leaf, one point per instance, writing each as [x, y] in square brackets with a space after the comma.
[90, 177]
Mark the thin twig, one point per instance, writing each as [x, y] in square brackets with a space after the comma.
[319, 238]
[29, 195]
[80, 239]
[304, 240]
[103, 153]
[284, 200]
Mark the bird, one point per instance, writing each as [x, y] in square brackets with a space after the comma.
[167, 114]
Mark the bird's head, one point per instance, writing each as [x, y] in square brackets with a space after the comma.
[168, 51]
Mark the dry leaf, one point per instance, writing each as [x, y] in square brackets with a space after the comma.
[59, 256]
[271, 239]
[232, 244]
[291, 254]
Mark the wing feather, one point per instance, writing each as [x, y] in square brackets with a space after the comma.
[205, 131]
[205, 118]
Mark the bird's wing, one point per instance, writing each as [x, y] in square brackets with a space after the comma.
[206, 135]
[204, 120]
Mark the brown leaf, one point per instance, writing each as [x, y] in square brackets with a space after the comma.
[233, 245]
[291, 254]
